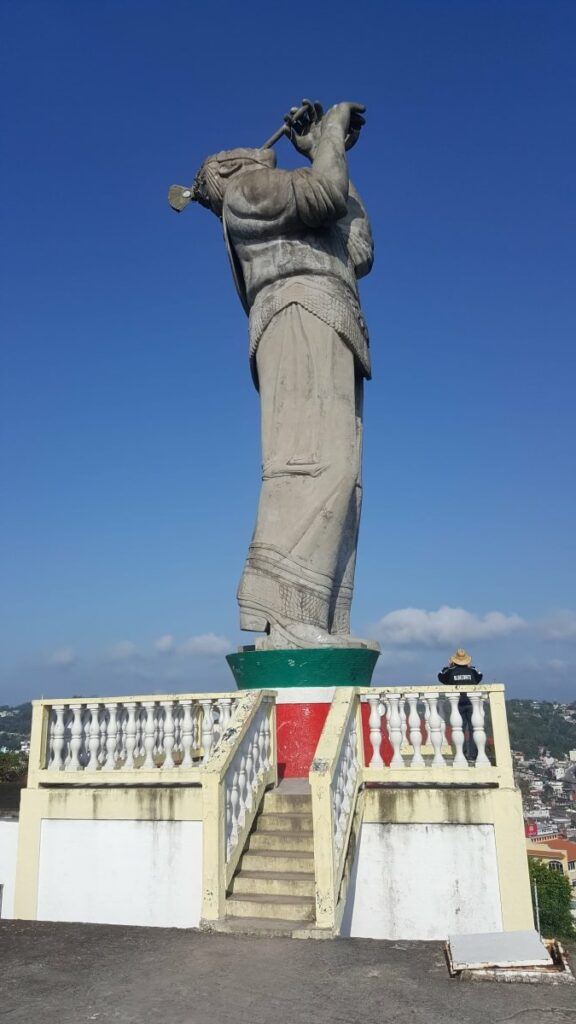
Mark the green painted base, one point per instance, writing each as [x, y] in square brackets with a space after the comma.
[315, 666]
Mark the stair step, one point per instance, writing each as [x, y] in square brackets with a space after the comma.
[285, 908]
[300, 861]
[291, 803]
[273, 883]
[284, 821]
[280, 841]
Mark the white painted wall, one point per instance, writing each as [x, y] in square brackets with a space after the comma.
[121, 872]
[8, 851]
[423, 882]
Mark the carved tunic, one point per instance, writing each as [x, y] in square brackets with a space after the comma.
[296, 239]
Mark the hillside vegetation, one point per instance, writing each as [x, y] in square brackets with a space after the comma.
[543, 725]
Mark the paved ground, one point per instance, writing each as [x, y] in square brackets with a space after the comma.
[68, 974]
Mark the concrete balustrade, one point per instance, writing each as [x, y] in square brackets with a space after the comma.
[132, 737]
[335, 778]
[419, 733]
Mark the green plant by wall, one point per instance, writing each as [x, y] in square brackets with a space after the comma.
[554, 899]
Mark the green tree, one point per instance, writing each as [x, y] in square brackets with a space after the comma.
[554, 900]
[13, 767]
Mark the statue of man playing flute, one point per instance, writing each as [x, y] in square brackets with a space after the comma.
[298, 242]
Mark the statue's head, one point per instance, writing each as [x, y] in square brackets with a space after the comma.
[216, 172]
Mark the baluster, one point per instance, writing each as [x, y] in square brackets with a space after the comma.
[76, 738]
[262, 742]
[225, 712]
[130, 736]
[457, 731]
[249, 780]
[337, 804]
[267, 741]
[256, 755]
[403, 724]
[395, 731]
[234, 802]
[168, 734]
[428, 739]
[58, 738]
[207, 729]
[478, 730]
[415, 726]
[435, 727]
[242, 789]
[103, 737]
[111, 738]
[187, 734]
[442, 712]
[93, 737]
[120, 735]
[50, 738]
[68, 717]
[149, 734]
[374, 724]
[228, 824]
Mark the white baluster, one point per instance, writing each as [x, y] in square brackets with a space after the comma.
[50, 739]
[435, 727]
[262, 741]
[76, 738]
[478, 730]
[442, 712]
[428, 739]
[207, 729]
[228, 824]
[111, 738]
[415, 726]
[457, 731]
[149, 734]
[168, 733]
[58, 738]
[225, 712]
[187, 734]
[267, 741]
[256, 753]
[93, 737]
[234, 802]
[242, 790]
[403, 725]
[130, 735]
[68, 716]
[103, 736]
[374, 724]
[395, 731]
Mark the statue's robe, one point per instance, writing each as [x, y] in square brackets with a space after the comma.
[297, 246]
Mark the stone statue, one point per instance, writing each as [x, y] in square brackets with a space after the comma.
[298, 241]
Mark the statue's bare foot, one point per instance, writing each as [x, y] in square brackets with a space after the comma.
[294, 635]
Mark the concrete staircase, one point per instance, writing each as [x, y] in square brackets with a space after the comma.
[273, 889]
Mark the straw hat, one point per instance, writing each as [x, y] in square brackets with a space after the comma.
[460, 657]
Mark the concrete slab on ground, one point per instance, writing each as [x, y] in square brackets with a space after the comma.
[498, 949]
[71, 974]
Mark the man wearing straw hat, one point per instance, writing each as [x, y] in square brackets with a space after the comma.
[461, 672]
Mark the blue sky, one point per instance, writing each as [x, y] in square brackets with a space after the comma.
[130, 450]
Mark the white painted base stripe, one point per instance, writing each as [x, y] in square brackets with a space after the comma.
[305, 695]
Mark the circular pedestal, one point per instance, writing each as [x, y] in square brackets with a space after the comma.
[315, 666]
[305, 681]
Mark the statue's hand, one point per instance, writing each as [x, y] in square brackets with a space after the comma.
[350, 117]
[306, 132]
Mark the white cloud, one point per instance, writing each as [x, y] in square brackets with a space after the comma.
[560, 626]
[62, 658]
[164, 644]
[205, 643]
[447, 625]
[120, 651]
